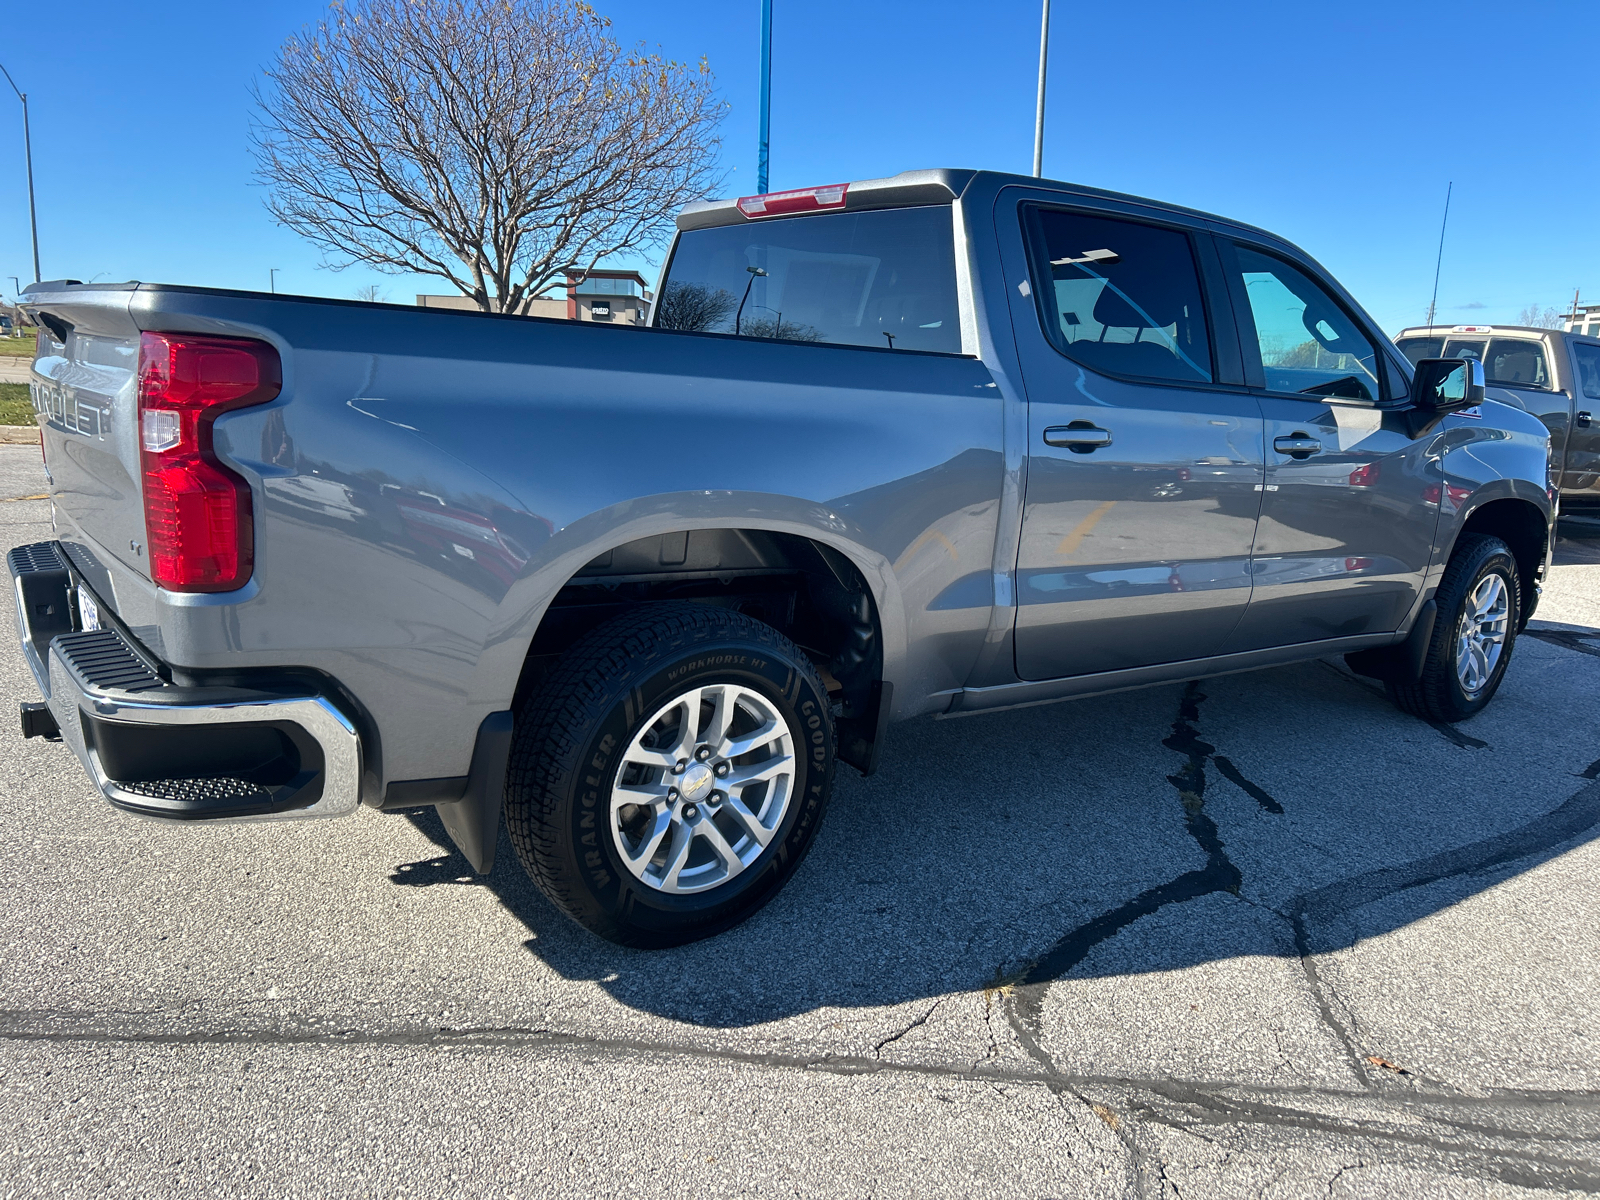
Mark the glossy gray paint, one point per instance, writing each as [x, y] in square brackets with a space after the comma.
[428, 480]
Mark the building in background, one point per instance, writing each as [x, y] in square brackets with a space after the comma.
[618, 297]
[1583, 318]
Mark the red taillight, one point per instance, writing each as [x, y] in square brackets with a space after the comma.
[197, 513]
[780, 204]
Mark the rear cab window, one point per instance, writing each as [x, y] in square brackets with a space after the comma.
[883, 278]
[1507, 361]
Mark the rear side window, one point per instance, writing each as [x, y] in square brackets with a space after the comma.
[885, 278]
[1588, 370]
[1308, 344]
[1418, 348]
[1124, 297]
[1517, 362]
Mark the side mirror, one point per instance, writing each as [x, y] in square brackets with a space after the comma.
[1447, 384]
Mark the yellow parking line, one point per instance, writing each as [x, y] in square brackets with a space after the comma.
[1069, 544]
[932, 535]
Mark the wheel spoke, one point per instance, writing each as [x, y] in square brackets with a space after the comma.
[677, 854]
[648, 845]
[722, 708]
[646, 795]
[731, 862]
[649, 756]
[689, 730]
[757, 772]
[735, 747]
[747, 821]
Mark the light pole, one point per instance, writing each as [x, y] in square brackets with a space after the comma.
[27, 145]
[1038, 117]
[272, 279]
[766, 96]
[737, 316]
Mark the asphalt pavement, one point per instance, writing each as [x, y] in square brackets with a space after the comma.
[1261, 935]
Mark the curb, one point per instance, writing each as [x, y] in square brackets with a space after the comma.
[19, 435]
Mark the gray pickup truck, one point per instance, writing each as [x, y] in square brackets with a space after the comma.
[946, 442]
[1552, 374]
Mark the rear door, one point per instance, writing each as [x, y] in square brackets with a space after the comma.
[1347, 520]
[1144, 459]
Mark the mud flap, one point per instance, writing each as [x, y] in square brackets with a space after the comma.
[473, 822]
[1401, 663]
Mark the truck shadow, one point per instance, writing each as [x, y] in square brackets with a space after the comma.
[1027, 846]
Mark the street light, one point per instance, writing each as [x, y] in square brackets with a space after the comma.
[754, 272]
[272, 279]
[1038, 118]
[27, 144]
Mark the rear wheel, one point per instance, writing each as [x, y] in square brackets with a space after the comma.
[670, 774]
[1480, 610]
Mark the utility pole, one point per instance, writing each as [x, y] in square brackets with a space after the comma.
[1038, 116]
[1438, 262]
[766, 96]
[27, 145]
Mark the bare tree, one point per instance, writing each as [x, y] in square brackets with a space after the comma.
[694, 306]
[370, 292]
[1539, 318]
[497, 144]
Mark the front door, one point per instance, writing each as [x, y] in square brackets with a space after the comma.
[1144, 473]
[1347, 518]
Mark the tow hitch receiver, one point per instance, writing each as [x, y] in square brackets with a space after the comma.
[39, 721]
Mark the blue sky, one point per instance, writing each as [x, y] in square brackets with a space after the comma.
[1337, 126]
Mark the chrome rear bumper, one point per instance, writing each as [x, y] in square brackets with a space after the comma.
[161, 750]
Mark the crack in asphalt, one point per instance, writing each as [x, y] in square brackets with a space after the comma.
[877, 1051]
[1541, 835]
[1567, 638]
[1218, 875]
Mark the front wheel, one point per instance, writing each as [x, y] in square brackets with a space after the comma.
[670, 774]
[1480, 609]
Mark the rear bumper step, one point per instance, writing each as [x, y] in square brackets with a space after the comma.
[161, 750]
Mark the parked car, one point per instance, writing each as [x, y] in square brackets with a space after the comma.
[946, 442]
[1546, 372]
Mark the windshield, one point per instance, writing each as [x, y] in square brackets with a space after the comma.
[884, 278]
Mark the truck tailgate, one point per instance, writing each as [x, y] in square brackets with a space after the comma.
[85, 381]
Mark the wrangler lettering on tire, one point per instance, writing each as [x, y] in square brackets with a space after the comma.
[670, 773]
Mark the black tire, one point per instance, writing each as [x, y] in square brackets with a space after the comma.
[1438, 694]
[570, 737]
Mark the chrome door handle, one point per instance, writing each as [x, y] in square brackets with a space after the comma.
[1080, 437]
[1297, 445]
[1584, 420]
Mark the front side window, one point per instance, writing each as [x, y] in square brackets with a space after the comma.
[1124, 297]
[884, 278]
[1516, 362]
[1588, 370]
[1308, 344]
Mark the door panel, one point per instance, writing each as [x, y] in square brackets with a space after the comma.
[1346, 530]
[1144, 474]
[1137, 552]
[1347, 520]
